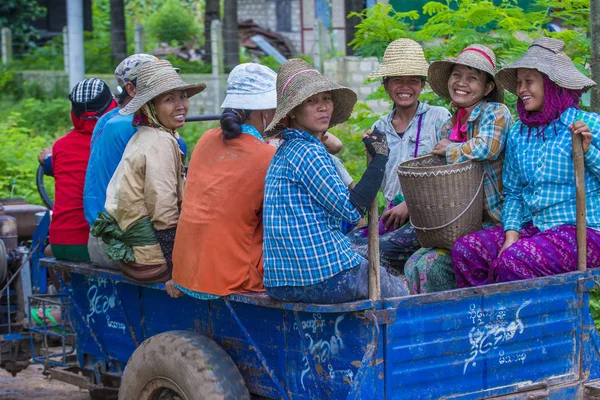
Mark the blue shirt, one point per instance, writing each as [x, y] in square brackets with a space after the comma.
[539, 176]
[109, 139]
[305, 203]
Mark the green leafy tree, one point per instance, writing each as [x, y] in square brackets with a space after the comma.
[173, 23]
[18, 15]
[380, 25]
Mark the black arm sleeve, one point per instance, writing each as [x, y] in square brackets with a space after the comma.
[366, 189]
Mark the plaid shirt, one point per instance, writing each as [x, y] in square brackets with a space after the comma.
[487, 130]
[305, 203]
[539, 176]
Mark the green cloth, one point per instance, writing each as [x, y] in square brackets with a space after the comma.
[70, 252]
[119, 242]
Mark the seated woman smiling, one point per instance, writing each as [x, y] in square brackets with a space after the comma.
[307, 257]
[145, 192]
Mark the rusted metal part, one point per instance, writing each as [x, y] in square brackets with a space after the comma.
[24, 215]
[87, 325]
[66, 375]
[262, 358]
[124, 312]
[8, 232]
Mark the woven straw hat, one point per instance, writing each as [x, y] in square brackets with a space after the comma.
[475, 56]
[547, 56]
[297, 80]
[402, 57]
[156, 78]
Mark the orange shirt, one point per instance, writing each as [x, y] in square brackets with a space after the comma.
[218, 245]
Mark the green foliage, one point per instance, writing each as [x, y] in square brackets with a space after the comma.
[173, 23]
[18, 15]
[380, 25]
[18, 162]
[595, 306]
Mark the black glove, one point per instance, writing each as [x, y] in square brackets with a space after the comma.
[376, 143]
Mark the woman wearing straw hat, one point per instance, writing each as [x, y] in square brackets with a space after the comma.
[538, 233]
[411, 131]
[307, 258]
[218, 246]
[145, 192]
[477, 131]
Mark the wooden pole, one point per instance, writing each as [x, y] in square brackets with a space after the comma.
[595, 52]
[580, 198]
[373, 256]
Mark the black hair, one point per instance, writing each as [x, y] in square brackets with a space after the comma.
[121, 97]
[231, 119]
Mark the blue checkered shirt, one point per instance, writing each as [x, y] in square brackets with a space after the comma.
[539, 177]
[305, 203]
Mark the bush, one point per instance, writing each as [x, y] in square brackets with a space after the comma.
[18, 159]
[173, 24]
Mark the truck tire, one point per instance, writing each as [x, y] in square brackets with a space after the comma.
[181, 365]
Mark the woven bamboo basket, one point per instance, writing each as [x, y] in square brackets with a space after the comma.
[445, 201]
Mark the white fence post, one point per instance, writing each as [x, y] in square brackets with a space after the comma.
[318, 46]
[216, 46]
[6, 45]
[65, 34]
[139, 39]
[75, 34]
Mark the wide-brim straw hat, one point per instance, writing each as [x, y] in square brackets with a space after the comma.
[402, 57]
[546, 55]
[297, 80]
[475, 56]
[156, 78]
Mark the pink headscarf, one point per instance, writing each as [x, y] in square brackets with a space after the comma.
[556, 100]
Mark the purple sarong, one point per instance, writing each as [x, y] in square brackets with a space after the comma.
[554, 251]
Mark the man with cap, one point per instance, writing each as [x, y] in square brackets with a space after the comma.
[109, 140]
[411, 129]
[90, 99]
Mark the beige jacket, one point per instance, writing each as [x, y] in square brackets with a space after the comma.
[148, 182]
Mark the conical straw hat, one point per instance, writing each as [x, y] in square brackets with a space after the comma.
[546, 55]
[402, 57]
[297, 80]
[475, 56]
[156, 78]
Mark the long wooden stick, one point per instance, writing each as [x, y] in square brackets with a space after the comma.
[373, 257]
[580, 208]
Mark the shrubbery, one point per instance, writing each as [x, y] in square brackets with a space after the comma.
[173, 23]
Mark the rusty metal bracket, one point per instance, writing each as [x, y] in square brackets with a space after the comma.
[381, 317]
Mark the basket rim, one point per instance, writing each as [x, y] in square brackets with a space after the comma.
[462, 166]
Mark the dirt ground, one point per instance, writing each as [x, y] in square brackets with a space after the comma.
[31, 384]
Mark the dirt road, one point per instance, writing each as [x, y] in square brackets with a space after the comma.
[30, 384]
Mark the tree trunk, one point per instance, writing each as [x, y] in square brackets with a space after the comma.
[595, 35]
[231, 41]
[212, 12]
[118, 39]
[357, 6]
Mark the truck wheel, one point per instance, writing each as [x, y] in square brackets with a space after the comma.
[181, 365]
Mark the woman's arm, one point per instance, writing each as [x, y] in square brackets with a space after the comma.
[589, 128]
[495, 122]
[513, 209]
[317, 173]
[160, 184]
[332, 143]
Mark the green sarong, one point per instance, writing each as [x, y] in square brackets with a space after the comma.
[119, 242]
